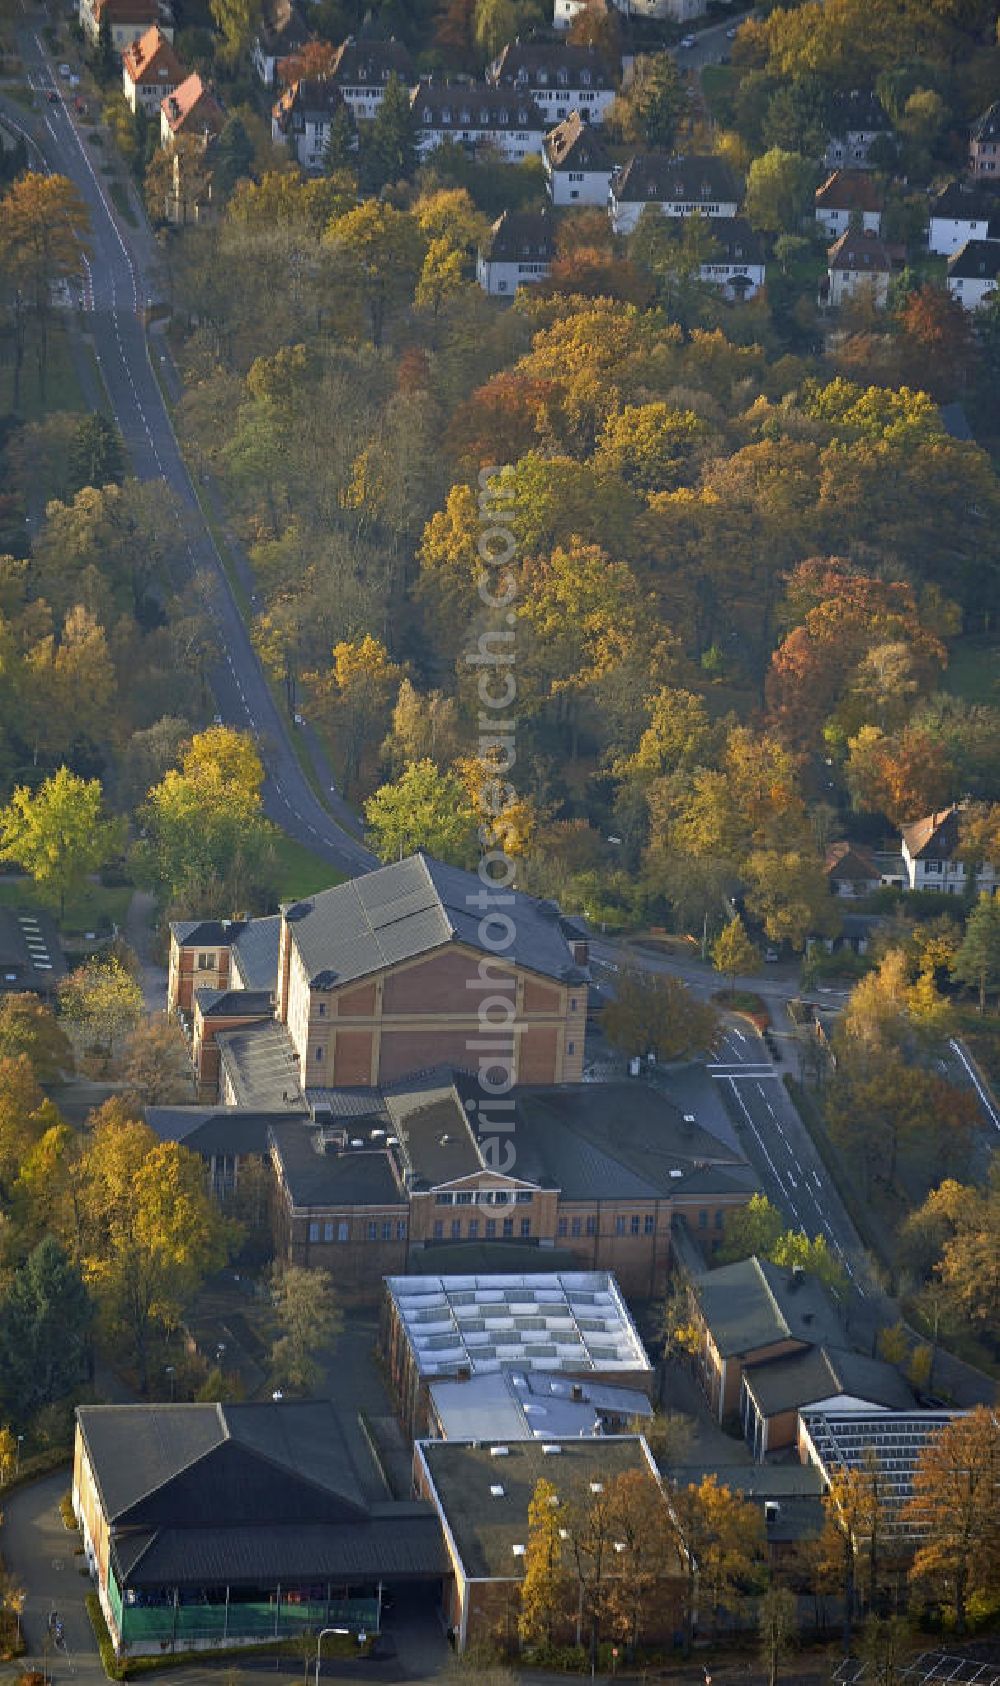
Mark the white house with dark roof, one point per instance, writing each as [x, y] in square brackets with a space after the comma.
[577, 164]
[963, 211]
[858, 120]
[973, 273]
[850, 199]
[517, 252]
[301, 119]
[677, 186]
[859, 264]
[736, 261]
[984, 144]
[282, 31]
[475, 115]
[559, 78]
[363, 68]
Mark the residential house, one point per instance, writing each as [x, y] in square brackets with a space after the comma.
[577, 164]
[282, 32]
[851, 869]
[973, 273]
[475, 115]
[963, 211]
[302, 117]
[126, 19]
[150, 71]
[850, 199]
[200, 954]
[385, 1180]
[560, 79]
[858, 120]
[517, 251]
[984, 144]
[735, 263]
[229, 1525]
[676, 186]
[859, 264]
[482, 1493]
[362, 68]
[437, 1327]
[930, 855]
[681, 11]
[522, 1404]
[192, 109]
[829, 1378]
[32, 960]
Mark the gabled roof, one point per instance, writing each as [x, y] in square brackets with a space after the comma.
[255, 950]
[576, 145]
[975, 261]
[122, 13]
[806, 1378]
[754, 1304]
[283, 29]
[151, 60]
[860, 249]
[856, 110]
[309, 98]
[556, 65]
[519, 234]
[850, 190]
[852, 862]
[211, 1130]
[193, 109]
[262, 1067]
[656, 177]
[987, 127]
[411, 908]
[734, 241]
[466, 105]
[371, 62]
[968, 201]
[935, 837]
[234, 1003]
[205, 933]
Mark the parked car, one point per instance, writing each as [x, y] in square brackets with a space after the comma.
[65, 72]
[771, 956]
[731, 33]
[687, 40]
[53, 96]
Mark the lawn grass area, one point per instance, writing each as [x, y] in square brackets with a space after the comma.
[62, 390]
[300, 872]
[96, 908]
[718, 84]
[973, 670]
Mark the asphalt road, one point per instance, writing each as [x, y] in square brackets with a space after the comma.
[711, 45]
[119, 285]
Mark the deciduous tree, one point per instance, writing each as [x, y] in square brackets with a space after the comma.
[309, 1320]
[58, 833]
[733, 954]
[955, 1513]
[657, 1014]
[423, 809]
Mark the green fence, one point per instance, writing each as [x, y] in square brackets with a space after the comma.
[185, 1624]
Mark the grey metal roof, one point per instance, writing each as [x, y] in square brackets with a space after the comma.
[404, 1543]
[207, 933]
[262, 1066]
[520, 1404]
[214, 1130]
[411, 908]
[754, 1304]
[347, 1177]
[255, 951]
[431, 1124]
[805, 1378]
[234, 1003]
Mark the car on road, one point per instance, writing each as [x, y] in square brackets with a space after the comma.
[65, 72]
[216, 719]
[771, 956]
[731, 33]
[53, 96]
[687, 41]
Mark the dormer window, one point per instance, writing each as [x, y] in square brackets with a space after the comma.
[446, 114]
[503, 115]
[522, 116]
[543, 77]
[428, 114]
[465, 115]
[585, 78]
[562, 78]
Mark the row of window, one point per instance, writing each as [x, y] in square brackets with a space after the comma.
[485, 1197]
[473, 1229]
[431, 119]
[340, 1230]
[562, 77]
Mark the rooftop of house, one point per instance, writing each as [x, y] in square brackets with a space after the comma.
[963, 201]
[987, 127]
[576, 145]
[935, 837]
[519, 234]
[122, 13]
[861, 249]
[151, 59]
[479, 105]
[851, 190]
[854, 862]
[790, 1496]
[755, 1304]
[513, 1404]
[975, 261]
[244, 1494]
[262, 1067]
[31, 951]
[658, 177]
[212, 1131]
[206, 933]
[234, 1003]
[732, 240]
[410, 908]
[575, 1322]
[370, 61]
[857, 110]
[826, 1372]
[255, 949]
[283, 29]
[193, 108]
[484, 1495]
[556, 64]
[310, 97]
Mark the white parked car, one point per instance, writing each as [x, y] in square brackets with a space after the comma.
[687, 41]
[65, 72]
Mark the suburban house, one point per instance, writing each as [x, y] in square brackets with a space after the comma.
[517, 251]
[973, 272]
[850, 199]
[859, 264]
[560, 79]
[575, 1325]
[282, 31]
[858, 120]
[32, 960]
[380, 977]
[984, 143]
[126, 19]
[736, 261]
[930, 855]
[192, 109]
[519, 1404]
[209, 1525]
[963, 211]
[302, 117]
[577, 164]
[680, 11]
[476, 114]
[150, 71]
[851, 869]
[676, 186]
[361, 69]
[481, 1493]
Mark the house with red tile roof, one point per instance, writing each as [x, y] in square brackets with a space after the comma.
[192, 109]
[150, 71]
[126, 19]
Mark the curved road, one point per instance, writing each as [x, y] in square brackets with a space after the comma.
[115, 297]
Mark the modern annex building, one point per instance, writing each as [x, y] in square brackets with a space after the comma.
[231, 1524]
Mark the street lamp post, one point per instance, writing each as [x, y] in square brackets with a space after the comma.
[319, 1643]
[171, 1372]
[17, 1455]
